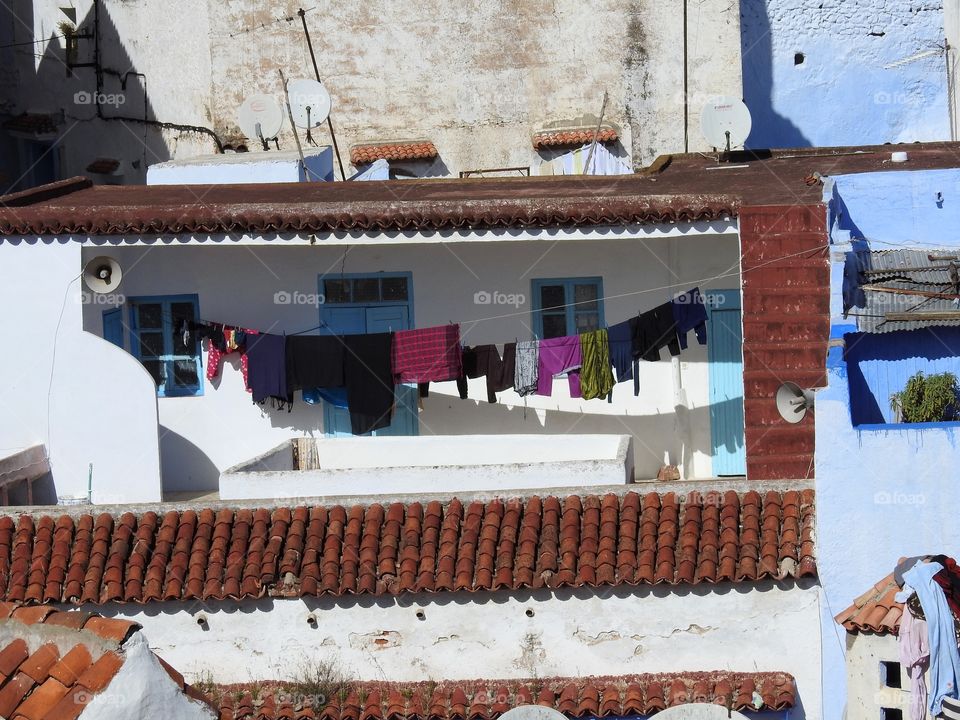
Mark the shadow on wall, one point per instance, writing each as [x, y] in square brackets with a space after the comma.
[879, 365]
[770, 129]
[184, 466]
[84, 117]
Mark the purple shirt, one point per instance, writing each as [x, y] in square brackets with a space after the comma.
[559, 355]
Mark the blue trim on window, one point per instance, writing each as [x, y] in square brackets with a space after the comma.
[168, 389]
[113, 326]
[361, 275]
[568, 298]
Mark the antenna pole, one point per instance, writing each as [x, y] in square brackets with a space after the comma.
[296, 135]
[686, 85]
[303, 19]
[596, 134]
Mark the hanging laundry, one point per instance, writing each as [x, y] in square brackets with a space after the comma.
[942, 643]
[596, 375]
[656, 329]
[486, 361]
[369, 381]
[690, 313]
[333, 396]
[427, 355]
[558, 356]
[949, 580]
[603, 162]
[268, 370]
[314, 361]
[620, 337]
[527, 367]
[219, 346]
[914, 656]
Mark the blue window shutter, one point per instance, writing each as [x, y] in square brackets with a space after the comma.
[113, 326]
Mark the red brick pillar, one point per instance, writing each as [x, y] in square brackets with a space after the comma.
[786, 328]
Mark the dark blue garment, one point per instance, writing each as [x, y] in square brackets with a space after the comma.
[267, 368]
[335, 396]
[690, 313]
[620, 337]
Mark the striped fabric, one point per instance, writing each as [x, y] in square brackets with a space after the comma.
[428, 355]
[950, 709]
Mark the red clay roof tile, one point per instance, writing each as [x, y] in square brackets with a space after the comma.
[72, 665]
[534, 543]
[13, 692]
[487, 699]
[573, 137]
[42, 700]
[12, 656]
[38, 665]
[98, 676]
[417, 150]
[876, 611]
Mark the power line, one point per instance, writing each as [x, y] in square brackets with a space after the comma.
[32, 42]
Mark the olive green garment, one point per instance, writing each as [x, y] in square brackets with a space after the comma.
[596, 375]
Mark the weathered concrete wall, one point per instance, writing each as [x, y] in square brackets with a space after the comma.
[479, 77]
[567, 633]
[866, 693]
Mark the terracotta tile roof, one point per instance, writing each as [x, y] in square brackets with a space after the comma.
[32, 123]
[487, 699]
[417, 150]
[60, 676]
[875, 611]
[673, 189]
[573, 137]
[103, 166]
[505, 544]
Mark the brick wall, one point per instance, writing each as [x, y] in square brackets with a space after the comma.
[786, 326]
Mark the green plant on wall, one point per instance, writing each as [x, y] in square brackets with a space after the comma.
[927, 398]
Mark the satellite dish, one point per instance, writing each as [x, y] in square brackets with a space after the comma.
[309, 103]
[793, 402]
[533, 712]
[260, 117]
[699, 711]
[102, 274]
[726, 123]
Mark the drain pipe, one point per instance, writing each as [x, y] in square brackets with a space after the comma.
[90, 485]
[686, 84]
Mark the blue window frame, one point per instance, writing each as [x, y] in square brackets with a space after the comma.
[347, 296]
[157, 341]
[566, 306]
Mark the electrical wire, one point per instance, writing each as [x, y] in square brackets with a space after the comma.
[32, 42]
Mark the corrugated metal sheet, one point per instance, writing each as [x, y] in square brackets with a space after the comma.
[886, 264]
[903, 269]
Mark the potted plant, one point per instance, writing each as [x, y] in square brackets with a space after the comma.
[927, 398]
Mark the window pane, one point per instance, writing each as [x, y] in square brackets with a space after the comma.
[587, 322]
[151, 344]
[552, 296]
[366, 290]
[394, 288]
[180, 312]
[155, 368]
[336, 291]
[185, 373]
[585, 297]
[150, 315]
[554, 326]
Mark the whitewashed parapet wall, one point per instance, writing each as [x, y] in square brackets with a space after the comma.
[565, 633]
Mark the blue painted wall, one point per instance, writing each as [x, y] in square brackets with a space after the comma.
[880, 365]
[885, 491]
[842, 93]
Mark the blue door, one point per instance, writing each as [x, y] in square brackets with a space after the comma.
[725, 358]
[348, 318]
[113, 326]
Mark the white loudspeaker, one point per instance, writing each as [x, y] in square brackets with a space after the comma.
[102, 274]
[793, 402]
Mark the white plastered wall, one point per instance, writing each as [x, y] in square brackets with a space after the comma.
[86, 400]
[568, 633]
